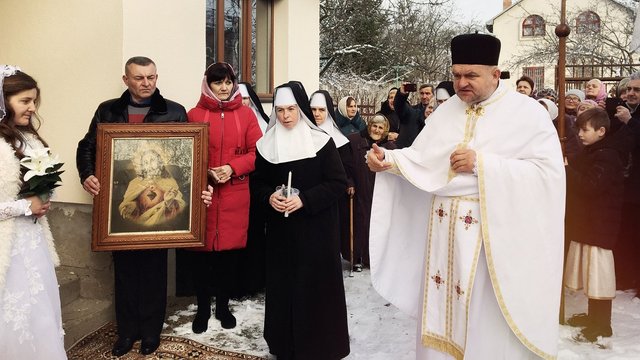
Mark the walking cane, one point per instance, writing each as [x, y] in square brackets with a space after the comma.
[351, 233]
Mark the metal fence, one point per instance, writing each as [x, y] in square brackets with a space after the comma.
[577, 76]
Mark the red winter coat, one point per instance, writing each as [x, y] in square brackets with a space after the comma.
[233, 132]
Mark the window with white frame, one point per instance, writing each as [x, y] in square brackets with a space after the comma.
[588, 22]
[533, 25]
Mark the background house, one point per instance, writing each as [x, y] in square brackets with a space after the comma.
[598, 43]
[76, 50]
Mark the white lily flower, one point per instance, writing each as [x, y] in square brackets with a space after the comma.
[38, 161]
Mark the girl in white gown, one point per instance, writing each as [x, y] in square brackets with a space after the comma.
[30, 315]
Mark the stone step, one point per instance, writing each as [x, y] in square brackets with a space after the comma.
[83, 316]
[69, 283]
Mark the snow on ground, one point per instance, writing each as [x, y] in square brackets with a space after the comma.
[625, 342]
[379, 331]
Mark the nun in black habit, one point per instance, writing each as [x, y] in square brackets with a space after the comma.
[251, 273]
[306, 314]
[324, 115]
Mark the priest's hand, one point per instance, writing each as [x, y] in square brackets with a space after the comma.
[463, 160]
[375, 160]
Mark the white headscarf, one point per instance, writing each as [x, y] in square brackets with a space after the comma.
[243, 90]
[552, 108]
[245, 94]
[442, 94]
[342, 106]
[329, 125]
[279, 144]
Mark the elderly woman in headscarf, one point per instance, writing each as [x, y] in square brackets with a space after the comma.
[324, 115]
[305, 307]
[595, 90]
[233, 132]
[348, 117]
[586, 105]
[572, 144]
[363, 180]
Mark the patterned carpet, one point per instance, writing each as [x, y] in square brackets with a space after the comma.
[97, 345]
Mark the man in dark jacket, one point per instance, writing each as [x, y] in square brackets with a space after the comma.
[411, 119]
[140, 275]
[628, 136]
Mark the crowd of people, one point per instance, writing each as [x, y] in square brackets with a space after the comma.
[418, 193]
[601, 147]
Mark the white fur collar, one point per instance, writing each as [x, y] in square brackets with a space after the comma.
[9, 188]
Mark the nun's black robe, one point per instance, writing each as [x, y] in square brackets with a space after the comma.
[306, 314]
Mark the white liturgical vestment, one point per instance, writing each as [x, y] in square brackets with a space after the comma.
[431, 227]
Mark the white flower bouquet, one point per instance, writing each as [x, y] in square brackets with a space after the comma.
[42, 173]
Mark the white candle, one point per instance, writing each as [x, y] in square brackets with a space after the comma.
[286, 213]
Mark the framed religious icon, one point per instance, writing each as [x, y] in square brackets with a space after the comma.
[151, 178]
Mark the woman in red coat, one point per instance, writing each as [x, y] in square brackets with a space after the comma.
[233, 132]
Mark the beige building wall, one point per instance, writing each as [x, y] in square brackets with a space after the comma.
[297, 42]
[172, 34]
[73, 48]
[76, 50]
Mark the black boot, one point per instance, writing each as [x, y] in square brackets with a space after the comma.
[227, 320]
[579, 320]
[600, 324]
[201, 321]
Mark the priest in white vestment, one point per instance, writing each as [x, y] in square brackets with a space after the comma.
[467, 223]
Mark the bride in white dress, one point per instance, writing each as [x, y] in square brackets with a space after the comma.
[30, 315]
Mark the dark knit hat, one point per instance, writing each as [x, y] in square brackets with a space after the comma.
[475, 49]
[546, 93]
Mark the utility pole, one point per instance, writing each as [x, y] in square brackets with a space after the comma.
[562, 31]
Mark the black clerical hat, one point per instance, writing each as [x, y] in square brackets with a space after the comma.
[475, 49]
